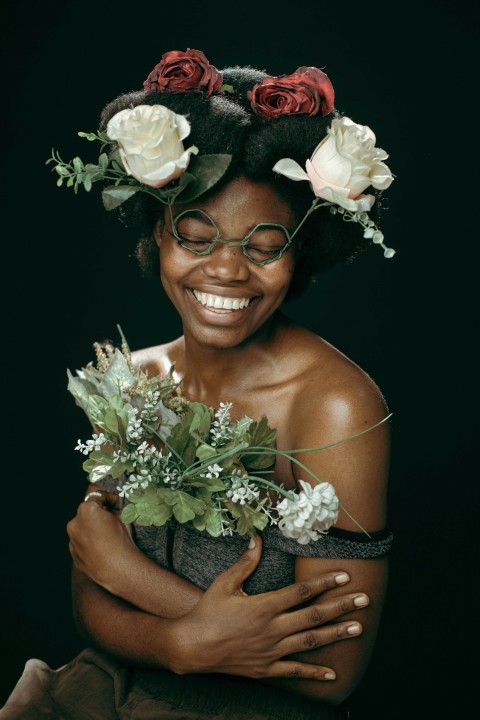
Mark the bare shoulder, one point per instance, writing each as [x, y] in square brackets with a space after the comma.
[334, 400]
[158, 359]
[333, 393]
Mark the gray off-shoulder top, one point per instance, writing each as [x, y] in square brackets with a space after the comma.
[198, 557]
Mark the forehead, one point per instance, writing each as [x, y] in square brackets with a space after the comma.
[243, 203]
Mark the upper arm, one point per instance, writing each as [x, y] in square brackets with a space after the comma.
[358, 469]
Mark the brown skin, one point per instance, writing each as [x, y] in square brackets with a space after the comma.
[312, 395]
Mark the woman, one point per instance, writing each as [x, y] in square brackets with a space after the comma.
[186, 625]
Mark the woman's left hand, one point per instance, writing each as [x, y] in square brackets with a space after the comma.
[99, 540]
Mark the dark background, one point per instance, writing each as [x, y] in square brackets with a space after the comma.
[405, 69]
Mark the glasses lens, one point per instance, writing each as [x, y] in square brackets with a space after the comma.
[266, 243]
[195, 231]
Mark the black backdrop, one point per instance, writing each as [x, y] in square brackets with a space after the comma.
[405, 69]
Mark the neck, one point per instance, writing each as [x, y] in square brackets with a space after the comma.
[209, 374]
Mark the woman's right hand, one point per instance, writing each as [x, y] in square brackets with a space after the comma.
[231, 632]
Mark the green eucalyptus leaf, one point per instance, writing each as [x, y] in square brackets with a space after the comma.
[77, 164]
[88, 136]
[103, 161]
[114, 196]
[87, 183]
[206, 170]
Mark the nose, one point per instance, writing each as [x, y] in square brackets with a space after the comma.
[227, 262]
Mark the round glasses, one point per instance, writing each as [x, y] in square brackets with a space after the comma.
[198, 233]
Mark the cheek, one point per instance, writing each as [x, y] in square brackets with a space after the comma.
[176, 265]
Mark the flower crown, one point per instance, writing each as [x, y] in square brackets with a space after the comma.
[151, 157]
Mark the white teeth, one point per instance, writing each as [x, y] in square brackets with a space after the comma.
[221, 303]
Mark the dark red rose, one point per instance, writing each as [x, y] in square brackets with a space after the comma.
[181, 71]
[307, 90]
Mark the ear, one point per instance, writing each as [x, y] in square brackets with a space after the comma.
[158, 232]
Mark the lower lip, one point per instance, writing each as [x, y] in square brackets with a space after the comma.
[220, 315]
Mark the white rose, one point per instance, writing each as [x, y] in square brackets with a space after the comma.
[150, 138]
[342, 166]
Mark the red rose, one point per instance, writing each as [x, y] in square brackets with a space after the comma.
[181, 71]
[307, 90]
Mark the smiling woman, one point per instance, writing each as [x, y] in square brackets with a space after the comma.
[191, 620]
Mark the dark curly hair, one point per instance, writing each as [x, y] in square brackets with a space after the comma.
[226, 123]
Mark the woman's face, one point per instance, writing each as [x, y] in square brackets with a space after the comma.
[245, 295]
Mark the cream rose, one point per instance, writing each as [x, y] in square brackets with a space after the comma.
[150, 138]
[342, 166]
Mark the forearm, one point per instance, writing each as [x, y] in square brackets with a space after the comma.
[115, 626]
[151, 588]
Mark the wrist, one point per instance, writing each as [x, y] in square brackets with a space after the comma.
[182, 648]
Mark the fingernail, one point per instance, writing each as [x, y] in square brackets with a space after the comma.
[353, 629]
[342, 578]
[329, 676]
[251, 544]
[361, 601]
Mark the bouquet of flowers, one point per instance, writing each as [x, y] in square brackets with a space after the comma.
[184, 459]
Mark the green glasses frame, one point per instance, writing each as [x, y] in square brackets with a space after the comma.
[238, 243]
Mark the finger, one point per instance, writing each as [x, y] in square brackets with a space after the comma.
[231, 580]
[110, 500]
[318, 614]
[295, 669]
[301, 592]
[312, 639]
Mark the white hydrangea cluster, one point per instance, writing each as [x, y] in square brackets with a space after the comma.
[314, 510]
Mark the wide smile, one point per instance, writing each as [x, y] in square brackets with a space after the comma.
[221, 303]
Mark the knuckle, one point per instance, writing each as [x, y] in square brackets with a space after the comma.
[344, 604]
[315, 616]
[294, 671]
[339, 631]
[309, 641]
[305, 591]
